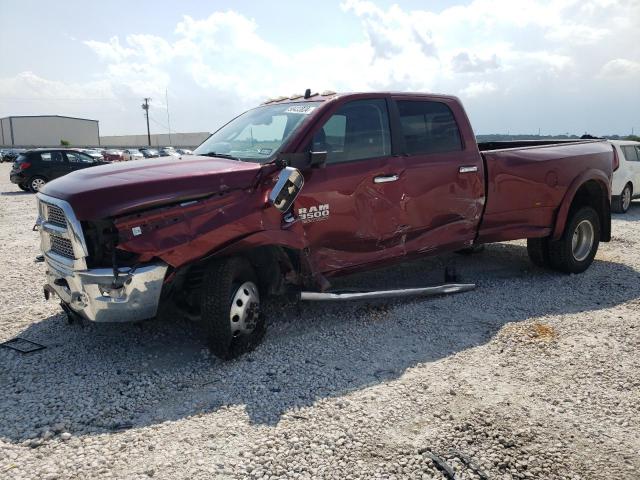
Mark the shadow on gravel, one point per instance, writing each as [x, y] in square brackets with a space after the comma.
[15, 194]
[101, 378]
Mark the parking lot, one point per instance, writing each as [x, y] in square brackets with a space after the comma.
[532, 375]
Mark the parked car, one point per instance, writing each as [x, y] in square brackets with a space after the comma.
[95, 154]
[184, 151]
[112, 155]
[322, 187]
[10, 154]
[149, 153]
[626, 180]
[132, 154]
[168, 152]
[34, 168]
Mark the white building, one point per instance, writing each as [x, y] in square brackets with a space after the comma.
[189, 140]
[48, 131]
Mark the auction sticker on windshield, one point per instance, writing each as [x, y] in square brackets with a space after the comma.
[302, 109]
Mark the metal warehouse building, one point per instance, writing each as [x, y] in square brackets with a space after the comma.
[47, 131]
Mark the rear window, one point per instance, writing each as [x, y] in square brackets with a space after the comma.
[428, 127]
[51, 157]
[631, 153]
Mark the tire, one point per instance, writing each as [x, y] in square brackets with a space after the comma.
[230, 308]
[36, 183]
[567, 257]
[621, 203]
[538, 250]
[24, 187]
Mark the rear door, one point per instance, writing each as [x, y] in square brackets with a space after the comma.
[632, 156]
[351, 208]
[53, 164]
[443, 178]
[78, 160]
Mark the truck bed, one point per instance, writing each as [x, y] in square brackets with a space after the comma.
[510, 144]
[526, 182]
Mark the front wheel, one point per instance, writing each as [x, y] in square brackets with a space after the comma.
[230, 308]
[575, 250]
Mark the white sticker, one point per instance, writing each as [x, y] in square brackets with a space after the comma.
[136, 231]
[301, 109]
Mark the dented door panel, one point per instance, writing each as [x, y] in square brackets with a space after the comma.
[348, 218]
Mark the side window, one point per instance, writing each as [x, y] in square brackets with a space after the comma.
[51, 157]
[357, 131]
[77, 157]
[631, 153]
[428, 127]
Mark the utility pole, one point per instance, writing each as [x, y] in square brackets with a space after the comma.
[166, 96]
[145, 107]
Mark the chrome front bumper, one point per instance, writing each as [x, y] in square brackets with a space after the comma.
[90, 293]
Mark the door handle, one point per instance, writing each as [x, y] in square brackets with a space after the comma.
[386, 179]
[468, 169]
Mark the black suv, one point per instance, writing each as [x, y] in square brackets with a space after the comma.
[34, 168]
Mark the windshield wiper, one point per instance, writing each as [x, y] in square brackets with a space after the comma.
[220, 155]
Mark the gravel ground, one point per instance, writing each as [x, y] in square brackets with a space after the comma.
[532, 375]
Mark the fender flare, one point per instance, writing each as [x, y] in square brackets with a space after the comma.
[292, 238]
[563, 211]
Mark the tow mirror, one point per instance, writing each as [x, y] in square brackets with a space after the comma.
[287, 188]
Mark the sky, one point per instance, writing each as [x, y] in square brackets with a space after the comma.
[519, 66]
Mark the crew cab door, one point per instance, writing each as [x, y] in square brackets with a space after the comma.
[443, 176]
[351, 208]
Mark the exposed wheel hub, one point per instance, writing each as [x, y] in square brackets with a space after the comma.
[582, 241]
[245, 309]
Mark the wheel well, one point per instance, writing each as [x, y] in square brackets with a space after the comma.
[594, 195]
[271, 263]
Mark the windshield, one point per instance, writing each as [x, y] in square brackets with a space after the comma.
[257, 135]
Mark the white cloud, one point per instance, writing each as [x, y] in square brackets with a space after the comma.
[464, 62]
[621, 67]
[475, 89]
[526, 50]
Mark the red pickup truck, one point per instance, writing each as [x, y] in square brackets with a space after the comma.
[303, 188]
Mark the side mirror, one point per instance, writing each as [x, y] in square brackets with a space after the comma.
[287, 188]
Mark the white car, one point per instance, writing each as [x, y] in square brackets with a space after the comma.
[626, 179]
[132, 154]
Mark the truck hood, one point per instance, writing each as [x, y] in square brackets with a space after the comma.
[119, 188]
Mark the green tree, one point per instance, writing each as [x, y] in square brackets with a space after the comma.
[64, 143]
[635, 138]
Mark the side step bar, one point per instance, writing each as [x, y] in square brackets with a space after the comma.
[405, 292]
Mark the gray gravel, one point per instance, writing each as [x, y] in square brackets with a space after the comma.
[533, 375]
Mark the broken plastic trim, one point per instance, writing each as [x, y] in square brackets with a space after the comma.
[405, 292]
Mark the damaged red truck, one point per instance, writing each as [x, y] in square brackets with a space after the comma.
[304, 188]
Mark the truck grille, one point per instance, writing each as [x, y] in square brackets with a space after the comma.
[55, 216]
[61, 235]
[61, 246]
